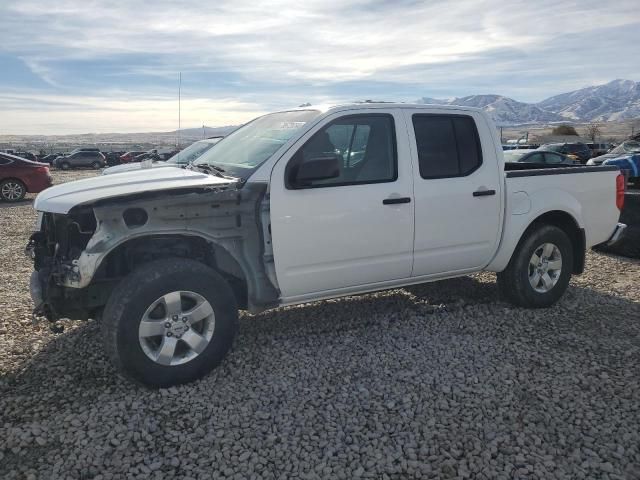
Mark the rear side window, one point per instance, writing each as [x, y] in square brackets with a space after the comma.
[448, 145]
[4, 161]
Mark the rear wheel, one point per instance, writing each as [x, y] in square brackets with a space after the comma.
[96, 165]
[169, 322]
[12, 190]
[540, 268]
[65, 166]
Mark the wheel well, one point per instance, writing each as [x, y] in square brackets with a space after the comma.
[14, 179]
[565, 222]
[135, 252]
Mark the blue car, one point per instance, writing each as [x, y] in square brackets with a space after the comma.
[630, 164]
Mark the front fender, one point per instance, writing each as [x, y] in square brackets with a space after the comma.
[229, 219]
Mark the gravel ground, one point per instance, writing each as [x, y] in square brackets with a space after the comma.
[435, 381]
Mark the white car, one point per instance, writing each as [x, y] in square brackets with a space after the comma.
[180, 159]
[305, 205]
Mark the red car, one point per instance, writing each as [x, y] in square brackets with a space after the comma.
[19, 176]
[129, 157]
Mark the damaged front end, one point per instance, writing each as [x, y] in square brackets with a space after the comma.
[79, 257]
[55, 248]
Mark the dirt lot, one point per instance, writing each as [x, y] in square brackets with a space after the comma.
[437, 381]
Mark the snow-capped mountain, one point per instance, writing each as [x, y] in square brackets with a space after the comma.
[504, 110]
[616, 100]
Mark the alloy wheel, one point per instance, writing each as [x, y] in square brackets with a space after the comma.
[12, 191]
[545, 267]
[176, 328]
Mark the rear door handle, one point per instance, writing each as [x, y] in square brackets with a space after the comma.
[393, 201]
[483, 193]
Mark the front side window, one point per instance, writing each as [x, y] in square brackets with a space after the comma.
[361, 148]
[448, 145]
[552, 158]
[535, 158]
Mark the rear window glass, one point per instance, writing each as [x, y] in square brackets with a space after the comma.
[448, 145]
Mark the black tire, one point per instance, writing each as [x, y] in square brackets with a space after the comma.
[96, 165]
[514, 283]
[65, 166]
[12, 190]
[138, 291]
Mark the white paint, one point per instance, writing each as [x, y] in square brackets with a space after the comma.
[62, 198]
[334, 237]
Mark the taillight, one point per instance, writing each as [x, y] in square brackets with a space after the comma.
[620, 191]
[42, 169]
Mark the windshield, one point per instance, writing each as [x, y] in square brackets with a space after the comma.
[514, 155]
[627, 147]
[193, 151]
[242, 151]
[554, 147]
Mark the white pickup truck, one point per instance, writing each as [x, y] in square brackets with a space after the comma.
[305, 205]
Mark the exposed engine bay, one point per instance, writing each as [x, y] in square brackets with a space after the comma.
[80, 256]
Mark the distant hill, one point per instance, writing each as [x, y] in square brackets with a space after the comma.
[616, 100]
[198, 133]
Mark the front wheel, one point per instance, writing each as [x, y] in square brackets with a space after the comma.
[169, 322]
[96, 165]
[12, 190]
[540, 268]
[65, 166]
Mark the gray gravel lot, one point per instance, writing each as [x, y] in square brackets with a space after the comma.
[436, 381]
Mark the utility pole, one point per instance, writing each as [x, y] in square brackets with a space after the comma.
[179, 112]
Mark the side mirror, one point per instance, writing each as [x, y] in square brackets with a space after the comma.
[321, 167]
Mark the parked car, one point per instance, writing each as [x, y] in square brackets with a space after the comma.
[598, 149]
[625, 148]
[84, 149]
[148, 155]
[27, 155]
[129, 157]
[279, 214]
[113, 158]
[629, 165]
[50, 158]
[180, 159]
[19, 176]
[577, 150]
[155, 154]
[538, 156]
[79, 159]
[166, 154]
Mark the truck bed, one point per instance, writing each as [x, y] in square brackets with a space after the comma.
[515, 169]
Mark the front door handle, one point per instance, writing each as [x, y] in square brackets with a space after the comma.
[483, 193]
[393, 201]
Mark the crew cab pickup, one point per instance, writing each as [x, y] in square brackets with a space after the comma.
[304, 205]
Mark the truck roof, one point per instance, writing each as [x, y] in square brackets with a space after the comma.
[368, 104]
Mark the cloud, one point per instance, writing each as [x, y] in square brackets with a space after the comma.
[94, 114]
[274, 54]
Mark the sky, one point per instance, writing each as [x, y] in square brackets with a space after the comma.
[91, 66]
